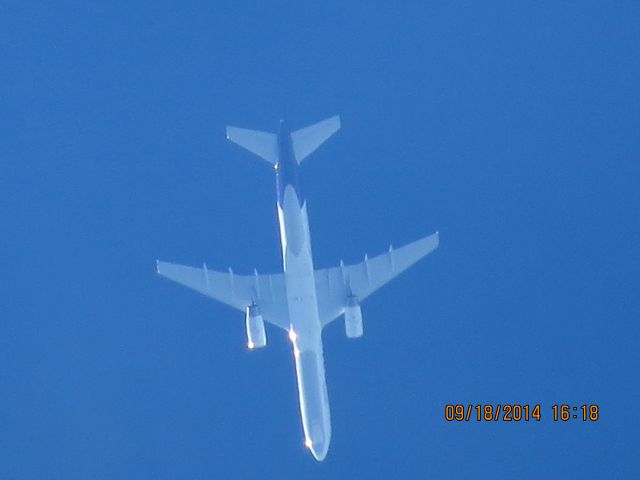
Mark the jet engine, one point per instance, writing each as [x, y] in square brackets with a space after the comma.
[256, 336]
[353, 318]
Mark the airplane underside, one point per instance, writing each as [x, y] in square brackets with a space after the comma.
[301, 300]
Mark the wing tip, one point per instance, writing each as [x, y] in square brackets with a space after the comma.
[436, 239]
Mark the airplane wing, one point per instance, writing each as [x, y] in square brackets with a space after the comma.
[334, 285]
[237, 291]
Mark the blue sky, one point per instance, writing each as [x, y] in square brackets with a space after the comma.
[510, 127]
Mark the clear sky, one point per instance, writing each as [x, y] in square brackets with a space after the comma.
[510, 127]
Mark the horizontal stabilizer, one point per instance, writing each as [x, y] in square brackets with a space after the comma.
[307, 139]
[263, 144]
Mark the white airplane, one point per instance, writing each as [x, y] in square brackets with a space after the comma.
[300, 300]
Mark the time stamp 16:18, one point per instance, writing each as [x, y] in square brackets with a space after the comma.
[513, 412]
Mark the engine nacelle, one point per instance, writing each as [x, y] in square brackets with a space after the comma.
[353, 318]
[256, 336]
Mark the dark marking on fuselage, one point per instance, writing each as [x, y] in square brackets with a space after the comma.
[287, 167]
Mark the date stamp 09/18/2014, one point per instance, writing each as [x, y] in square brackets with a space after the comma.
[513, 412]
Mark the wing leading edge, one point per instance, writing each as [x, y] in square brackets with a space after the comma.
[237, 291]
[334, 285]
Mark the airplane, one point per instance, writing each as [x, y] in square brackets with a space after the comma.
[301, 300]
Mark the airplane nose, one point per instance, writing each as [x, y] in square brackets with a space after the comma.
[319, 450]
[318, 442]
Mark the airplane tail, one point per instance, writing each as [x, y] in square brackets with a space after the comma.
[265, 145]
[306, 140]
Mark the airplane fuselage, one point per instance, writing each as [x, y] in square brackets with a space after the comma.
[305, 330]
